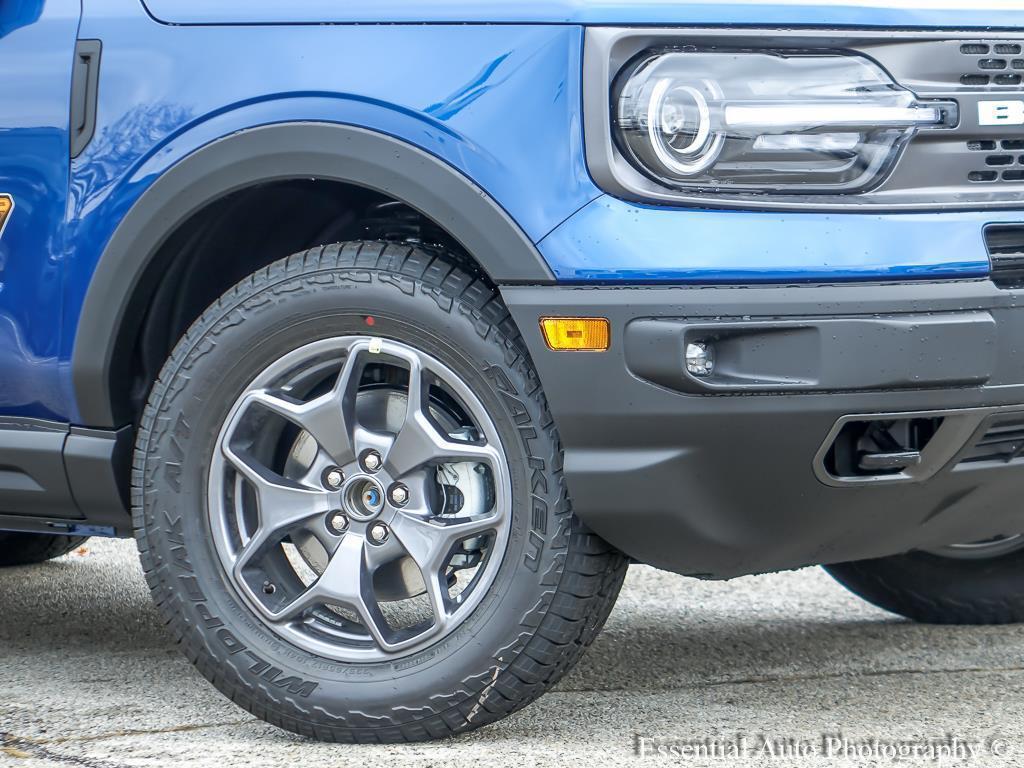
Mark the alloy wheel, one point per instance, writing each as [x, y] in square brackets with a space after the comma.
[359, 498]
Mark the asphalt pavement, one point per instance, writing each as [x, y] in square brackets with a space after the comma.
[779, 670]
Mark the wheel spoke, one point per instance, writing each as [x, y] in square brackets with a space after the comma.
[429, 543]
[329, 418]
[348, 582]
[419, 442]
[280, 503]
[429, 540]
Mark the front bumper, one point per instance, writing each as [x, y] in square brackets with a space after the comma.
[733, 474]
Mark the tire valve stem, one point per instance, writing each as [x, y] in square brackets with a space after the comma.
[268, 588]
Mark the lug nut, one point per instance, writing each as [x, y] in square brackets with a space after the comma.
[333, 478]
[378, 533]
[371, 461]
[337, 522]
[399, 495]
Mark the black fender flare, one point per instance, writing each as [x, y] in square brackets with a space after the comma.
[118, 292]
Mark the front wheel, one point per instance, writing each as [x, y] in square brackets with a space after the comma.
[979, 583]
[349, 502]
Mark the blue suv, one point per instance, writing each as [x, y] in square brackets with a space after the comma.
[394, 331]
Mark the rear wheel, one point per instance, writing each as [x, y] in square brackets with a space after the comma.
[978, 583]
[28, 548]
[349, 502]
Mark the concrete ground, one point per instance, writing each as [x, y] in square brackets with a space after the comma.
[89, 679]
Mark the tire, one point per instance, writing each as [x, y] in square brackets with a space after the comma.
[552, 586]
[941, 589]
[31, 548]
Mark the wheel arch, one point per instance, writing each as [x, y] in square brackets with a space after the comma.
[126, 278]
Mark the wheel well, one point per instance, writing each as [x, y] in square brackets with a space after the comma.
[250, 228]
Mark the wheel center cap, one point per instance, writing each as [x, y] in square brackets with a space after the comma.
[364, 498]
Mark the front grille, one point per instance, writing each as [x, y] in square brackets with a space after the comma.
[1002, 442]
[992, 63]
[977, 164]
[997, 160]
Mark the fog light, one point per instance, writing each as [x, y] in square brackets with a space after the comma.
[700, 358]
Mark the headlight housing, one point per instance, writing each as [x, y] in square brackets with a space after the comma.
[784, 122]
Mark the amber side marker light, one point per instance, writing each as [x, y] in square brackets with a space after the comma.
[576, 334]
[6, 205]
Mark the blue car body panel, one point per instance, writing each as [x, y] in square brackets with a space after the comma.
[468, 107]
[933, 13]
[499, 102]
[612, 240]
[36, 45]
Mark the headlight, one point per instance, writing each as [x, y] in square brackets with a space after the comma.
[780, 122]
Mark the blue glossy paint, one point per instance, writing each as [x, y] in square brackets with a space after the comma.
[611, 240]
[481, 98]
[36, 45]
[499, 102]
[894, 13]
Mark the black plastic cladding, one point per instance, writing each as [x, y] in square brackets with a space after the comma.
[936, 171]
[725, 484]
[63, 479]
